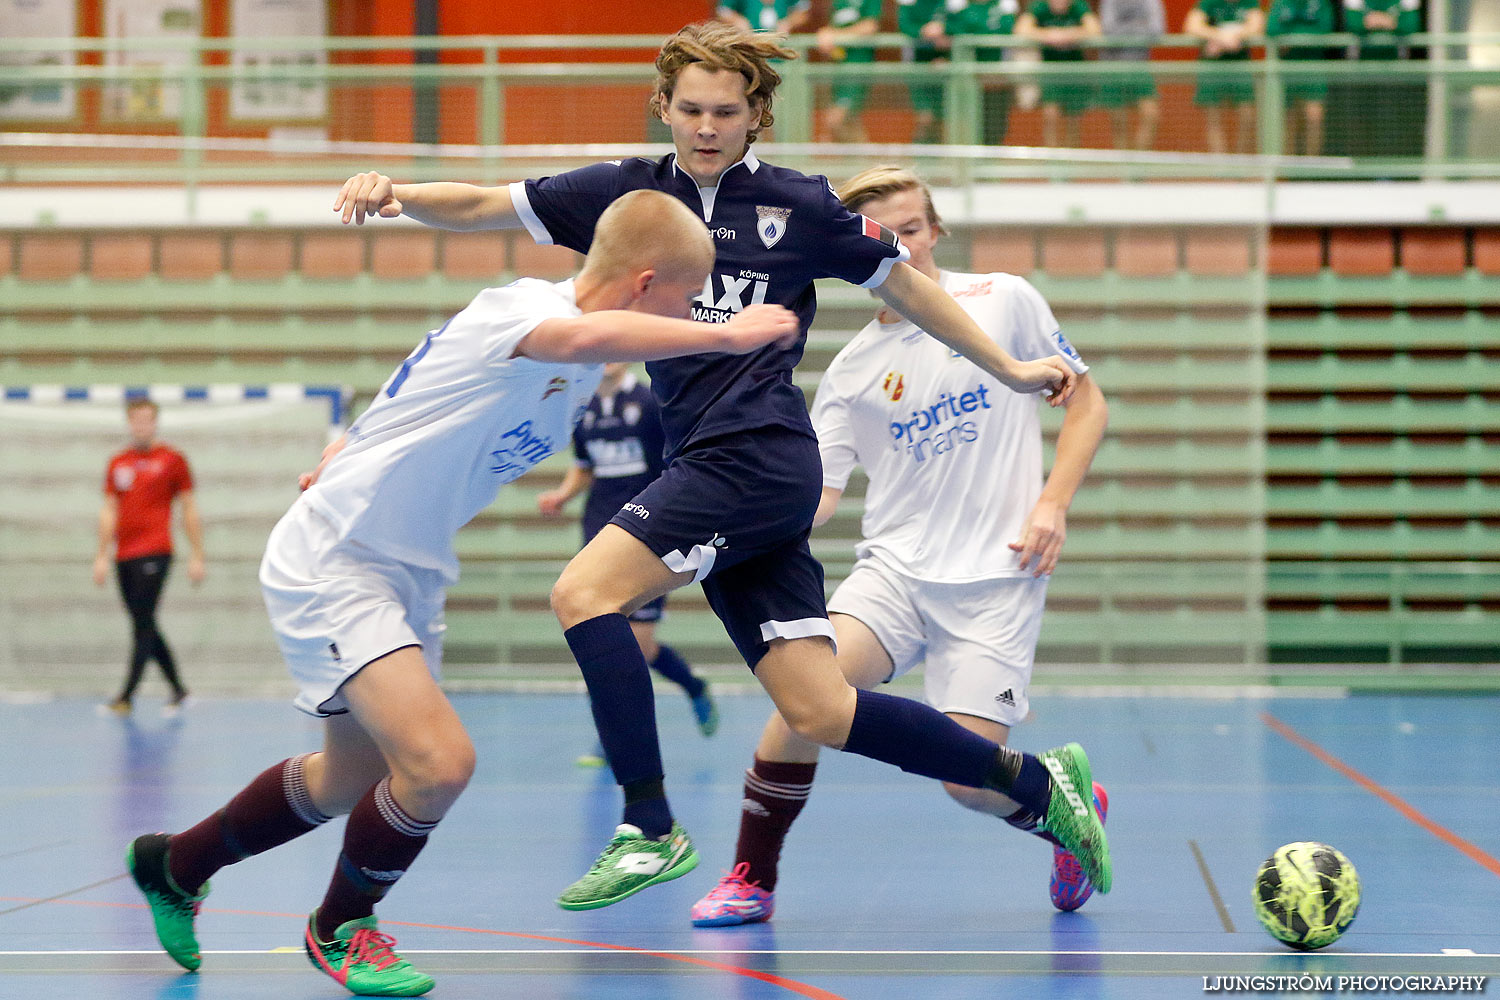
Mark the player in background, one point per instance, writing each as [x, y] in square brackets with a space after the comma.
[783, 16]
[355, 573]
[617, 452]
[960, 535]
[135, 520]
[735, 505]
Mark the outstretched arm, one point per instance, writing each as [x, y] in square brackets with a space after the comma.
[621, 335]
[923, 301]
[1046, 528]
[443, 204]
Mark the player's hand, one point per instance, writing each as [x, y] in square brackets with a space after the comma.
[101, 570]
[365, 194]
[196, 570]
[1049, 375]
[827, 40]
[307, 479]
[550, 504]
[757, 326]
[1042, 540]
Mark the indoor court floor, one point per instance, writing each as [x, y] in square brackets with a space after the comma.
[889, 890]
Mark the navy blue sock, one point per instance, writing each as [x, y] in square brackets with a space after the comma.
[918, 738]
[675, 669]
[620, 697]
[646, 807]
[1022, 778]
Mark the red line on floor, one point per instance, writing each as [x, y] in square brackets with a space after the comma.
[791, 985]
[1390, 798]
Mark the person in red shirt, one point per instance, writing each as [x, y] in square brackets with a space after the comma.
[136, 518]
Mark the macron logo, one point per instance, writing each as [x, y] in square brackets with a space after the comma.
[1065, 783]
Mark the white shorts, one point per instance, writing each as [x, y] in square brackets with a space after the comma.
[977, 639]
[337, 606]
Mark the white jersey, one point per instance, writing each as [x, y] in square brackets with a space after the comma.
[954, 457]
[459, 419]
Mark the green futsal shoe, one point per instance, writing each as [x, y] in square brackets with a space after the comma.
[1071, 816]
[363, 960]
[172, 910]
[631, 862]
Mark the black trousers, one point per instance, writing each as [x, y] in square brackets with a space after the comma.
[141, 581]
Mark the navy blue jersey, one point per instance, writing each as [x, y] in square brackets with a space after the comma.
[620, 440]
[775, 231]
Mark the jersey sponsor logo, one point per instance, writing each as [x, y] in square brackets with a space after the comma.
[636, 509]
[978, 288]
[723, 233]
[894, 386]
[554, 386]
[1063, 345]
[614, 459]
[520, 449]
[124, 477]
[724, 295]
[876, 231]
[941, 427]
[631, 414]
[771, 223]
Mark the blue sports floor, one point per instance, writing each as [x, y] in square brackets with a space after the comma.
[889, 890]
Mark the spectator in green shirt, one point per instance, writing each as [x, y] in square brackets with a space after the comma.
[1226, 27]
[784, 16]
[1058, 26]
[848, 20]
[1382, 23]
[990, 17]
[1305, 96]
[922, 22]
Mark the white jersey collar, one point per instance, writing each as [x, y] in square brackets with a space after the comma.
[710, 194]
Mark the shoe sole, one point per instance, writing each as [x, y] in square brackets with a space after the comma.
[681, 868]
[1082, 777]
[730, 920]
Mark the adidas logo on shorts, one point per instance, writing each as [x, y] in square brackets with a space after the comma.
[1006, 697]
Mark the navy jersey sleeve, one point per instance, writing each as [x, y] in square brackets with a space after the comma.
[653, 438]
[580, 451]
[563, 209]
[859, 250]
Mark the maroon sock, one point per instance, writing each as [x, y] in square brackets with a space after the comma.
[273, 809]
[774, 794]
[380, 843]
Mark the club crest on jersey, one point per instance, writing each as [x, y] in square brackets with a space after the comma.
[771, 223]
[894, 386]
[556, 385]
[1063, 346]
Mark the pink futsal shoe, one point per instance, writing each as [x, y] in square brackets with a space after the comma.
[734, 901]
[1070, 888]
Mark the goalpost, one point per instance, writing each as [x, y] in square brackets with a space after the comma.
[245, 444]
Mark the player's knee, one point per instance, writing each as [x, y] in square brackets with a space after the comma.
[441, 769]
[820, 720]
[969, 798]
[574, 599]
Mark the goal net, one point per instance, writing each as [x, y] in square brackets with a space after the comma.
[245, 444]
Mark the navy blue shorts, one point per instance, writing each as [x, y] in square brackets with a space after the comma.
[735, 512]
[651, 611]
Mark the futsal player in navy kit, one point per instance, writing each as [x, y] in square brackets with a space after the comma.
[617, 452]
[734, 507]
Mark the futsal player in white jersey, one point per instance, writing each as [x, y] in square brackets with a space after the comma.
[354, 574]
[960, 533]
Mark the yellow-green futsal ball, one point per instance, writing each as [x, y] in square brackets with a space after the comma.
[1306, 895]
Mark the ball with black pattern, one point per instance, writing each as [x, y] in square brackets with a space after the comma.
[1306, 895]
